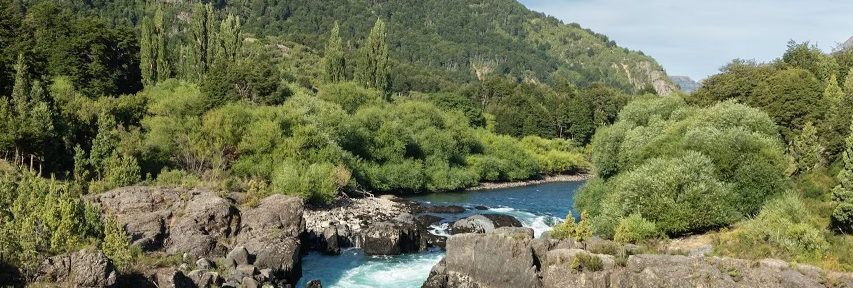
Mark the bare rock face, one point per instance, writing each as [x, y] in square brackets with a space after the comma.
[271, 232]
[501, 258]
[79, 269]
[201, 224]
[145, 212]
[509, 257]
[206, 218]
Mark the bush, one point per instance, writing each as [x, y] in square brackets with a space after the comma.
[842, 218]
[316, 182]
[634, 229]
[784, 228]
[176, 178]
[583, 262]
[685, 169]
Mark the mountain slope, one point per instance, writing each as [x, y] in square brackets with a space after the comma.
[464, 39]
[436, 42]
[687, 84]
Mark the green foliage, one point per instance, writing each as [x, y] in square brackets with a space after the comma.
[116, 244]
[316, 182]
[372, 69]
[583, 262]
[568, 229]
[784, 228]
[841, 219]
[635, 229]
[334, 63]
[565, 229]
[685, 169]
[805, 149]
[42, 217]
[349, 95]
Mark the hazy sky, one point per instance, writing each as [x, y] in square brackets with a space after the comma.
[696, 38]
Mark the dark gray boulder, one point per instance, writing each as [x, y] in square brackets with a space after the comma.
[398, 236]
[79, 269]
[501, 220]
[314, 284]
[472, 224]
[444, 209]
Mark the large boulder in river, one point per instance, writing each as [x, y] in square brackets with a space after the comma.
[483, 223]
[395, 237]
[272, 232]
[501, 258]
[501, 220]
[80, 269]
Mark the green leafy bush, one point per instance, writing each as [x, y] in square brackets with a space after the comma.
[842, 217]
[685, 169]
[635, 229]
[784, 228]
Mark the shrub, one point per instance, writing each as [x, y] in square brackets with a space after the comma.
[176, 178]
[634, 229]
[583, 262]
[842, 218]
[784, 227]
[685, 169]
[317, 182]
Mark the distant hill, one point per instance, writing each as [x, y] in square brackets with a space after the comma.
[848, 44]
[435, 42]
[685, 83]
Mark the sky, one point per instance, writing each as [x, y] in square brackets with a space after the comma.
[695, 38]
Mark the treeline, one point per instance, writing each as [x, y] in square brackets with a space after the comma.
[757, 158]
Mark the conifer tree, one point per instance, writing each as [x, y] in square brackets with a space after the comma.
[806, 150]
[116, 244]
[372, 70]
[842, 216]
[334, 63]
[21, 88]
[203, 37]
[583, 230]
[147, 53]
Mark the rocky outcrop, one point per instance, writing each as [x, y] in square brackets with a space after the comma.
[510, 257]
[483, 223]
[80, 269]
[379, 225]
[398, 236]
[202, 225]
[272, 233]
[204, 220]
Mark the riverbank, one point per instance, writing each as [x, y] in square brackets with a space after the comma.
[543, 180]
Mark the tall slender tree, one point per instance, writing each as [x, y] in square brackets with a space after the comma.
[373, 67]
[228, 42]
[153, 62]
[163, 70]
[202, 39]
[334, 63]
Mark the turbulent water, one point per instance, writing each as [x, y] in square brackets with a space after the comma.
[538, 207]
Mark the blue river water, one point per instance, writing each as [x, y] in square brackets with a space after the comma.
[538, 207]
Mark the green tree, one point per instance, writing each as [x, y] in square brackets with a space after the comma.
[806, 150]
[334, 63]
[228, 41]
[116, 244]
[834, 128]
[373, 69]
[202, 38]
[153, 61]
[583, 231]
[844, 190]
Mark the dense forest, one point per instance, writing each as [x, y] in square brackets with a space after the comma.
[328, 99]
[759, 158]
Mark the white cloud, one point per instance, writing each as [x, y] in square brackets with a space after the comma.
[695, 38]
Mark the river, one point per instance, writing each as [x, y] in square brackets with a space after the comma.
[537, 206]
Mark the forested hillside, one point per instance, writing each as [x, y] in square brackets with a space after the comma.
[438, 44]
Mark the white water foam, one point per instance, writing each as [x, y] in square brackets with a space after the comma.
[539, 223]
[400, 271]
[440, 229]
